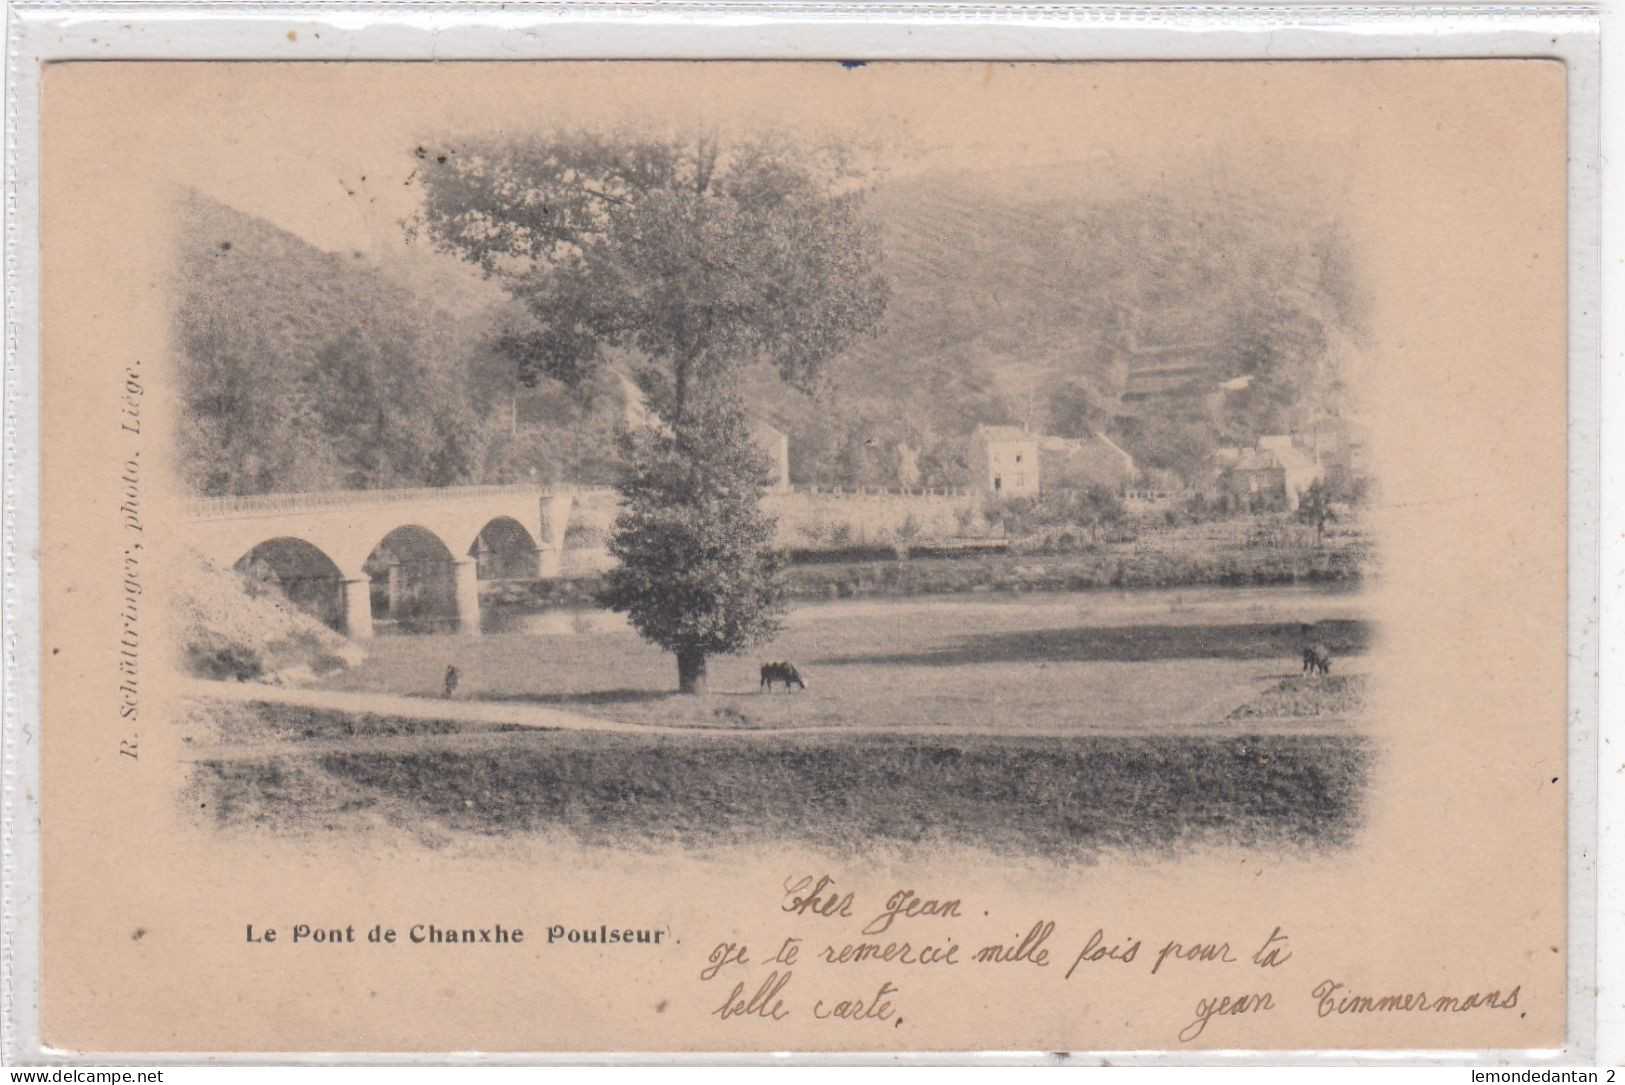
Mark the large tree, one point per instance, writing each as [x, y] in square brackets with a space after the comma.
[698, 574]
[690, 259]
[694, 255]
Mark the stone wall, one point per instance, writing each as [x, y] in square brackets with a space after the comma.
[807, 519]
[810, 518]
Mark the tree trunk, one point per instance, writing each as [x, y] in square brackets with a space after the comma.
[690, 671]
[679, 398]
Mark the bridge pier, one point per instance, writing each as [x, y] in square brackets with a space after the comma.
[397, 589]
[555, 520]
[548, 563]
[466, 573]
[358, 608]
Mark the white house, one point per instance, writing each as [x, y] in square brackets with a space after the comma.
[1004, 461]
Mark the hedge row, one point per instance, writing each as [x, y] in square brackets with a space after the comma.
[957, 571]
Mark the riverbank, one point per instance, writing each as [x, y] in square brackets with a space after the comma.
[1238, 552]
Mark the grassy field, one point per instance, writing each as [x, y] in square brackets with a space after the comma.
[1122, 662]
[1067, 799]
[1058, 726]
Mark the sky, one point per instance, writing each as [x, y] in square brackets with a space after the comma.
[327, 150]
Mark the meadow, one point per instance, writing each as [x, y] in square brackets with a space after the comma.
[1059, 726]
[1065, 799]
[1062, 663]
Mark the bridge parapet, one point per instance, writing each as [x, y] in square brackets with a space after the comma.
[212, 508]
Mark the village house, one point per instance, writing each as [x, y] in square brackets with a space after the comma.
[1275, 474]
[1009, 461]
[1068, 463]
[1004, 461]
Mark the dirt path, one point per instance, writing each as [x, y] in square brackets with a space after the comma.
[413, 708]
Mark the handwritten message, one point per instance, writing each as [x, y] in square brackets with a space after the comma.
[912, 932]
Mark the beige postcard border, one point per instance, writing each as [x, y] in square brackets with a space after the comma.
[39, 34]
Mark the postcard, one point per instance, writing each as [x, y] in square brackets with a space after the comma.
[803, 556]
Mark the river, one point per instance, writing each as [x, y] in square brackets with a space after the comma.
[1306, 603]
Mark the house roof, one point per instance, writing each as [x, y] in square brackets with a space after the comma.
[1273, 459]
[1098, 443]
[999, 434]
[1293, 460]
[1112, 446]
[1258, 459]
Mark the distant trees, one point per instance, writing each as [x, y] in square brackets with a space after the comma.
[304, 370]
[1082, 407]
[1059, 514]
[695, 258]
[1180, 441]
[705, 261]
[836, 442]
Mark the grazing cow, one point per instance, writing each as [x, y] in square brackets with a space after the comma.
[1317, 659]
[780, 672]
[451, 682]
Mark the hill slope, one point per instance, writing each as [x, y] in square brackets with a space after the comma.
[1029, 297]
[1003, 293]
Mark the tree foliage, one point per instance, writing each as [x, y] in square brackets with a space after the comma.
[1082, 406]
[693, 259]
[1179, 439]
[697, 574]
[304, 370]
[697, 254]
[1315, 507]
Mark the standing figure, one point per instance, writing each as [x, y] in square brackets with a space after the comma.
[451, 682]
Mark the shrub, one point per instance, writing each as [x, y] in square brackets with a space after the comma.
[224, 663]
[842, 554]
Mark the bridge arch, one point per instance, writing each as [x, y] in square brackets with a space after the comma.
[348, 525]
[301, 572]
[504, 549]
[417, 582]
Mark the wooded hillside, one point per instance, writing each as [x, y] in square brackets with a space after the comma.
[1012, 300]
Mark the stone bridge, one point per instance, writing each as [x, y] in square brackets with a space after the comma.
[346, 555]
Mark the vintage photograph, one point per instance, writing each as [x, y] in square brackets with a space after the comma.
[674, 484]
[803, 556]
